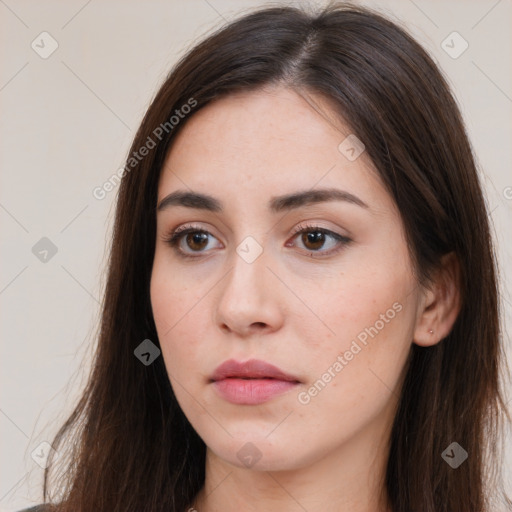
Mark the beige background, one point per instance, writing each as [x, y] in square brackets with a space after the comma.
[66, 125]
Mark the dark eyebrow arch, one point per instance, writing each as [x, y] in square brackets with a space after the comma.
[276, 204]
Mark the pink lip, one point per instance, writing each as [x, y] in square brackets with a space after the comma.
[252, 382]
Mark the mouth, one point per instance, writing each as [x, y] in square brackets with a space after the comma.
[252, 382]
[251, 370]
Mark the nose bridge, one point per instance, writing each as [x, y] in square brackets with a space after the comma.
[246, 281]
[247, 297]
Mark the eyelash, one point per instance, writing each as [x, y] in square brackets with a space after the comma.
[175, 237]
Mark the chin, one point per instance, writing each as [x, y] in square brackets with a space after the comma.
[261, 454]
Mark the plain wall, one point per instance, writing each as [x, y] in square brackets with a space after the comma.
[66, 125]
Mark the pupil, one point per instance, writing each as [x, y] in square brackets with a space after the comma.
[314, 237]
[197, 240]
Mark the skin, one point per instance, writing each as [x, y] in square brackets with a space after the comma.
[290, 307]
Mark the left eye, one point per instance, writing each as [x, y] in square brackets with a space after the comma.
[313, 238]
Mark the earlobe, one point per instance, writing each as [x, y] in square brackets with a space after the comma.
[441, 306]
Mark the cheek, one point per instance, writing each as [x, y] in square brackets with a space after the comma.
[173, 305]
[182, 354]
[373, 322]
[370, 314]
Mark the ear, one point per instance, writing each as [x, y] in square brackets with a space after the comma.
[440, 304]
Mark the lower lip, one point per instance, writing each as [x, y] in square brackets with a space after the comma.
[251, 391]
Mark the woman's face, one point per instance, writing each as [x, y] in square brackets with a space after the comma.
[321, 289]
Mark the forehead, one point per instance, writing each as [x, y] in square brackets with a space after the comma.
[267, 142]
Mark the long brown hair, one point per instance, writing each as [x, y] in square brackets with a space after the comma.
[129, 445]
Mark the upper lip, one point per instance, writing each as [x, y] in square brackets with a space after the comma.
[254, 368]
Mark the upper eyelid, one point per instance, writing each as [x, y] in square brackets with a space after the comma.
[302, 226]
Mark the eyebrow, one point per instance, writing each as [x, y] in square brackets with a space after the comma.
[277, 204]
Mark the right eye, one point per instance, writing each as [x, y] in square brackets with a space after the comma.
[191, 237]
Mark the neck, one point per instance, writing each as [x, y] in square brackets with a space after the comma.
[350, 478]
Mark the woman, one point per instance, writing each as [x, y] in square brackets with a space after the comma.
[301, 310]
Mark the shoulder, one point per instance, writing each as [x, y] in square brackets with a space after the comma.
[37, 508]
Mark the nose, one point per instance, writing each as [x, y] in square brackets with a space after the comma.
[249, 300]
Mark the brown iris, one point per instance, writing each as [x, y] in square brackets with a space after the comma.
[313, 237]
[197, 240]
